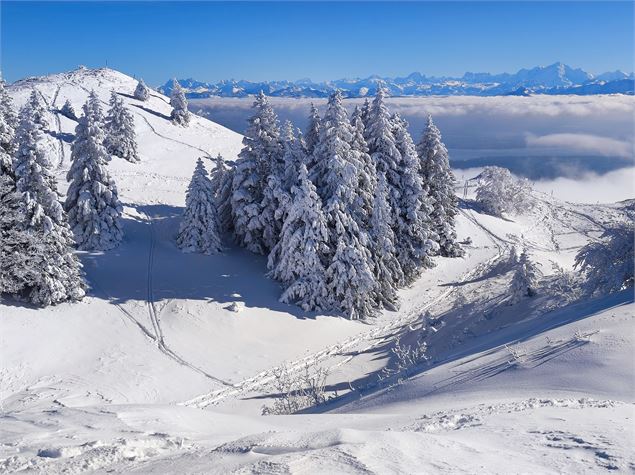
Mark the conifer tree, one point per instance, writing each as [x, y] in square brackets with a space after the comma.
[93, 109]
[297, 260]
[37, 109]
[68, 111]
[13, 239]
[92, 201]
[47, 267]
[199, 229]
[221, 177]
[386, 267]
[414, 245]
[312, 134]
[525, 279]
[384, 153]
[8, 123]
[141, 92]
[261, 153]
[367, 174]
[440, 182]
[350, 280]
[180, 114]
[120, 137]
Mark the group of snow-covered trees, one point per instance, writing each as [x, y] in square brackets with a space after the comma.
[347, 213]
[37, 231]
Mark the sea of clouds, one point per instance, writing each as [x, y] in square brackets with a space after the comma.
[581, 147]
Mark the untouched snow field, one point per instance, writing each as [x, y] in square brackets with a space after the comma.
[166, 364]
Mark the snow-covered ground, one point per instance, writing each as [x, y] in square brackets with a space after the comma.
[165, 366]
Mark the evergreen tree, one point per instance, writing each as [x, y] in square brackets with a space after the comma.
[92, 202]
[386, 267]
[93, 109]
[525, 279]
[260, 155]
[365, 112]
[367, 174]
[440, 181]
[221, 177]
[120, 137]
[384, 153]
[68, 111]
[199, 230]
[297, 259]
[8, 123]
[349, 274]
[32, 168]
[313, 131]
[180, 114]
[37, 110]
[141, 92]
[413, 228]
[13, 239]
[46, 265]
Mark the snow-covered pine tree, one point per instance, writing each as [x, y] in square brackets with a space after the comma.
[8, 123]
[36, 107]
[384, 153]
[93, 109]
[365, 112]
[120, 139]
[47, 265]
[221, 177]
[312, 134]
[349, 274]
[262, 151]
[92, 201]
[415, 241]
[440, 182]
[180, 114]
[68, 111]
[297, 260]
[525, 279]
[386, 267]
[12, 237]
[199, 229]
[367, 174]
[141, 92]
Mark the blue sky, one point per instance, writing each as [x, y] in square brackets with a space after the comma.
[263, 41]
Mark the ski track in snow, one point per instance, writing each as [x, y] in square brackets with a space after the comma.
[154, 316]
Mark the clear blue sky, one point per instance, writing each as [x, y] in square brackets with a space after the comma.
[262, 41]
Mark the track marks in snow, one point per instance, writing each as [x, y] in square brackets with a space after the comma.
[154, 315]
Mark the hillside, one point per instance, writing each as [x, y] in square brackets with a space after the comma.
[164, 367]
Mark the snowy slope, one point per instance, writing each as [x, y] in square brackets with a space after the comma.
[165, 366]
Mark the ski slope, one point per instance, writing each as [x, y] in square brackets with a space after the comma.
[164, 367]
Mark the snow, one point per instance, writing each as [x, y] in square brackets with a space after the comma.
[165, 365]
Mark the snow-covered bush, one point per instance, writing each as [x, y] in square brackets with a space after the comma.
[92, 201]
[180, 114]
[120, 137]
[199, 230]
[607, 264]
[525, 280]
[498, 191]
[297, 390]
[407, 358]
[141, 92]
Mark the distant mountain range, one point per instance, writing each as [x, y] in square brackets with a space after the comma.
[557, 78]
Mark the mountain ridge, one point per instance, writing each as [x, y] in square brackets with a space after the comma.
[557, 78]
